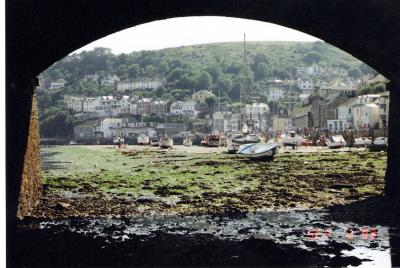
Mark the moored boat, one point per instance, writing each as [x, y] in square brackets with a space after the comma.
[258, 151]
[233, 147]
[166, 142]
[143, 140]
[362, 141]
[155, 141]
[211, 141]
[291, 138]
[187, 141]
[246, 139]
[335, 141]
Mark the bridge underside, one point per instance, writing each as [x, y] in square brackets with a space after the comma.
[41, 32]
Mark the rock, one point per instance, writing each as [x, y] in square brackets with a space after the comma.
[62, 205]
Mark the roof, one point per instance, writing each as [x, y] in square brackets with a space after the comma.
[89, 123]
[348, 102]
[378, 78]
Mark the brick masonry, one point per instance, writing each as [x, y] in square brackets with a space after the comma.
[31, 186]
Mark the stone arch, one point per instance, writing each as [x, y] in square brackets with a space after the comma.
[41, 32]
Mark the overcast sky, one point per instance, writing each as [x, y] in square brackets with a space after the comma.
[194, 30]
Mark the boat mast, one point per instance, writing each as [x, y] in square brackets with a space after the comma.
[244, 82]
[290, 104]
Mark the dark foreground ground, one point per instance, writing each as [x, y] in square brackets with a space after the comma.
[205, 209]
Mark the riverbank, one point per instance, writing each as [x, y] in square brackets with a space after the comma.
[101, 181]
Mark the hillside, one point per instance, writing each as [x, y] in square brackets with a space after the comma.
[217, 67]
[214, 66]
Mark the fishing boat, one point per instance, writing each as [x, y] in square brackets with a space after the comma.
[335, 141]
[232, 147]
[155, 141]
[143, 140]
[211, 140]
[166, 142]
[187, 141]
[258, 151]
[378, 144]
[246, 138]
[362, 142]
[291, 138]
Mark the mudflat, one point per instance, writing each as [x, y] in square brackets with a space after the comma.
[101, 181]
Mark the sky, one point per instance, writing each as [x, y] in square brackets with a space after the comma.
[185, 31]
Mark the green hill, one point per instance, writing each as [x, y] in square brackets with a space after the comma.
[213, 66]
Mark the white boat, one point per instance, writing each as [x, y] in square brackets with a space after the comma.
[335, 141]
[166, 142]
[258, 151]
[362, 141]
[233, 147]
[187, 141]
[155, 141]
[291, 138]
[380, 141]
[143, 140]
[246, 138]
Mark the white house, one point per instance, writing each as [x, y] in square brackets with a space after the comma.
[305, 84]
[58, 84]
[110, 127]
[344, 116]
[176, 108]
[189, 108]
[89, 104]
[256, 109]
[202, 95]
[222, 122]
[140, 84]
[73, 103]
[275, 94]
[384, 109]
[366, 111]
[109, 80]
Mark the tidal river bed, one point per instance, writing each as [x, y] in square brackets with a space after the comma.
[100, 181]
[194, 206]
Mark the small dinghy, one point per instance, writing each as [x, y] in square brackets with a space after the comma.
[143, 139]
[166, 143]
[335, 142]
[258, 151]
[187, 141]
[362, 142]
[155, 141]
[246, 139]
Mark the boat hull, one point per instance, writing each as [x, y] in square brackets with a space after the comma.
[377, 147]
[258, 151]
[166, 143]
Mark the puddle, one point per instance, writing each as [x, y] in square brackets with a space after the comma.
[309, 231]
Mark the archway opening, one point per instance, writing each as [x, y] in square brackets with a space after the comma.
[311, 87]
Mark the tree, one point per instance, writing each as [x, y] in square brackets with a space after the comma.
[312, 57]
[374, 88]
[133, 70]
[175, 75]
[366, 69]
[259, 58]
[261, 71]
[355, 73]
[215, 72]
[204, 80]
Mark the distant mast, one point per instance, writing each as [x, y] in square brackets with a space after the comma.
[244, 82]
